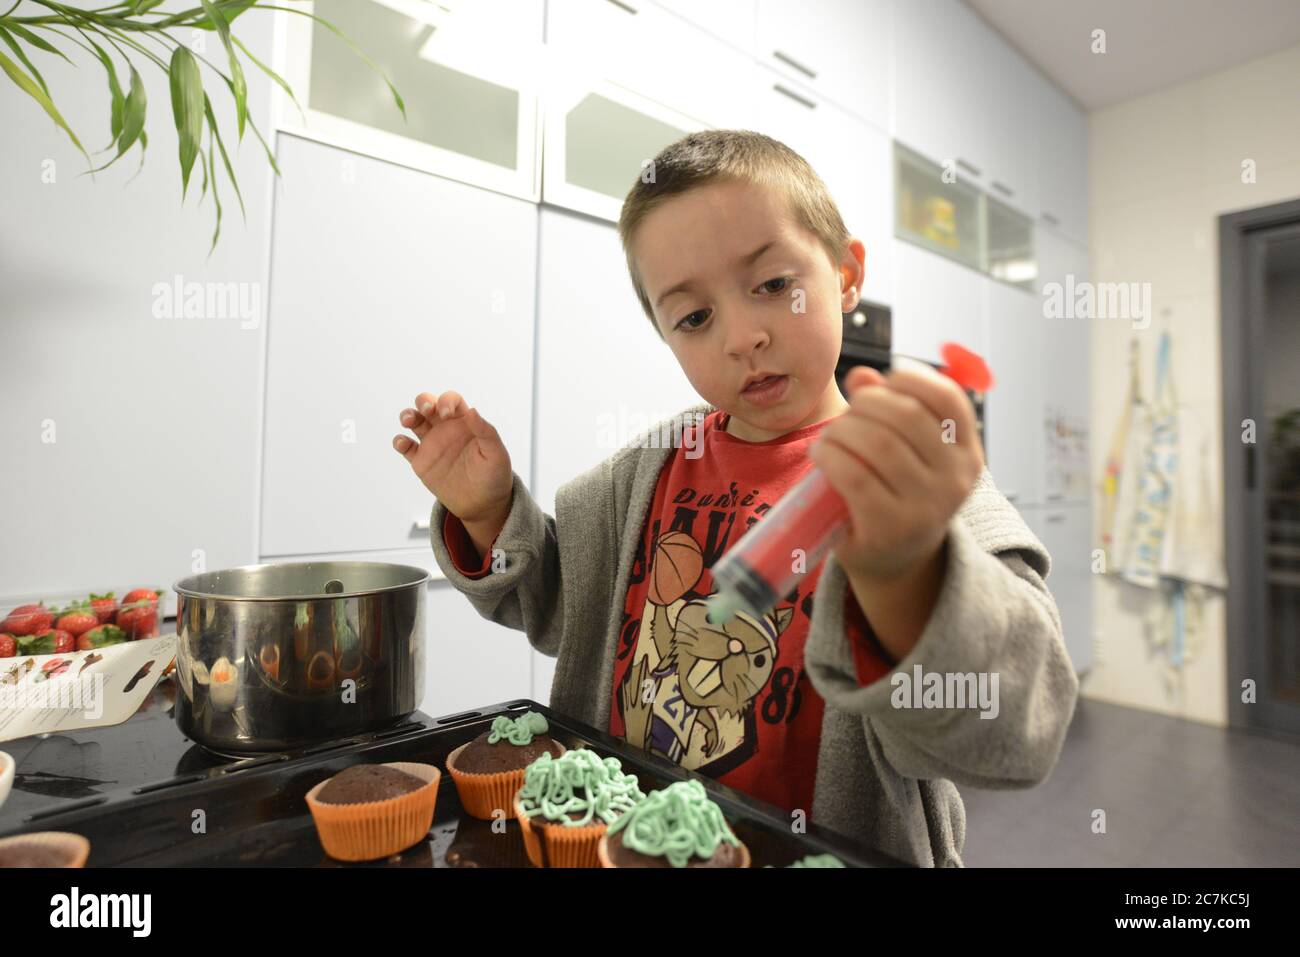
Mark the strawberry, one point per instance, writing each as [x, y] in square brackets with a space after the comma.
[50, 642]
[139, 594]
[77, 623]
[139, 621]
[27, 620]
[101, 636]
[104, 607]
[8, 647]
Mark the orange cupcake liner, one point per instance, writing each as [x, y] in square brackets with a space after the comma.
[556, 845]
[602, 853]
[75, 847]
[374, 829]
[482, 794]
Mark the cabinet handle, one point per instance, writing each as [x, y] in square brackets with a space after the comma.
[1055, 497]
[973, 170]
[795, 96]
[1055, 518]
[1011, 496]
[624, 6]
[1003, 189]
[420, 525]
[1050, 219]
[791, 61]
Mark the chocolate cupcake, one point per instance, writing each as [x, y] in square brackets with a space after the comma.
[677, 826]
[818, 860]
[489, 769]
[44, 849]
[566, 804]
[369, 811]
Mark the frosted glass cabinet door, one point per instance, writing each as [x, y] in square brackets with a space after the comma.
[599, 139]
[467, 77]
[387, 282]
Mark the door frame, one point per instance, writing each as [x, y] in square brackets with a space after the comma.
[1241, 337]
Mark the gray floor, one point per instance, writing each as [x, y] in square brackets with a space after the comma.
[1176, 794]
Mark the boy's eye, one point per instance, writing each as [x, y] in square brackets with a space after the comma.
[682, 325]
[784, 284]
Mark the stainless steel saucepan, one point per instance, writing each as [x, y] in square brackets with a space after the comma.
[274, 657]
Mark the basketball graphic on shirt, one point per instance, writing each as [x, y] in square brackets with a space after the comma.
[675, 567]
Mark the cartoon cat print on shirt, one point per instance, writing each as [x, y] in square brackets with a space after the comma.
[689, 693]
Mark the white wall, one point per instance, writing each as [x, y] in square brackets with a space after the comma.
[151, 417]
[1163, 168]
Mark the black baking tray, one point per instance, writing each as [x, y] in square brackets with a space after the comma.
[254, 812]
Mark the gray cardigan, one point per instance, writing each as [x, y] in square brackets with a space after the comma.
[886, 776]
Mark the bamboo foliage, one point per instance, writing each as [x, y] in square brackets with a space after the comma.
[135, 32]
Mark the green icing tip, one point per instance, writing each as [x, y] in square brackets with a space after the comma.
[818, 860]
[722, 607]
[518, 731]
[677, 822]
[579, 781]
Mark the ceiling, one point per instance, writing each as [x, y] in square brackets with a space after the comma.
[1150, 44]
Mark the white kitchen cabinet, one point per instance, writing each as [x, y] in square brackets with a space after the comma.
[1014, 406]
[840, 50]
[641, 47]
[1065, 532]
[433, 289]
[852, 158]
[961, 96]
[599, 139]
[1066, 371]
[730, 20]
[1061, 131]
[470, 662]
[935, 301]
[467, 72]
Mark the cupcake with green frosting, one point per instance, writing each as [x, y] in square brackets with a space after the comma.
[566, 803]
[489, 769]
[678, 826]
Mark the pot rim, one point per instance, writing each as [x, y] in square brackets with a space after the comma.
[184, 586]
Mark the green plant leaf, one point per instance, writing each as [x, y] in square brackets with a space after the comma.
[132, 114]
[272, 74]
[22, 55]
[237, 83]
[35, 39]
[144, 6]
[229, 10]
[187, 108]
[212, 125]
[28, 86]
[216, 200]
[114, 92]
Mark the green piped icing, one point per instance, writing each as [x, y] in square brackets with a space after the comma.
[519, 731]
[578, 781]
[818, 860]
[676, 822]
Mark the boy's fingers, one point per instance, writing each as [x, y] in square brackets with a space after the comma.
[940, 394]
[439, 405]
[406, 445]
[415, 422]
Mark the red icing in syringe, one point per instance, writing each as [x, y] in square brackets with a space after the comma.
[793, 538]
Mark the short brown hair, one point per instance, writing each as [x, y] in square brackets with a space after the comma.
[699, 159]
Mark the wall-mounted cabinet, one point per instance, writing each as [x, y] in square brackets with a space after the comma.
[400, 283]
[1066, 533]
[468, 77]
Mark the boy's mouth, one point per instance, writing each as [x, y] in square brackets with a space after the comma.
[766, 390]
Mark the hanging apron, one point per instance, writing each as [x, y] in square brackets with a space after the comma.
[1141, 553]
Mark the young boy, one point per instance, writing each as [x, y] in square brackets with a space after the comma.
[744, 267]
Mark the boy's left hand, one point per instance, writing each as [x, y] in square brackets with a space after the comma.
[904, 456]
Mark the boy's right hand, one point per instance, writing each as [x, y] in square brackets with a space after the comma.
[459, 457]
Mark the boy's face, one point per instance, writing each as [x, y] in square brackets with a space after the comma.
[728, 315]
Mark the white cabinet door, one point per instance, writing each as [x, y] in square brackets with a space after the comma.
[1014, 406]
[386, 282]
[468, 79]
[470, 662]
[935, 301]
[643, 48]
[962, 95]
[1066, 371]
[840, 50]
[1066, 534]
[853, 159]
[599, 139]
[1062, 159]
[729, 20]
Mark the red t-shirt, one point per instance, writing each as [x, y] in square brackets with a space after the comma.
[733, 703]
